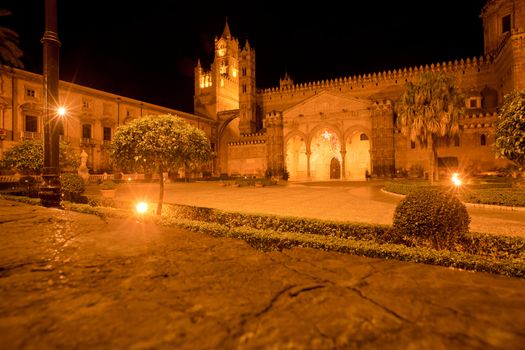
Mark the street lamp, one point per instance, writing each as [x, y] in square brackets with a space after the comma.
[118, 110]
[61, 111]
[50, 191]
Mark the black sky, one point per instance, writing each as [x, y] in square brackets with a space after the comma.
[147, 49]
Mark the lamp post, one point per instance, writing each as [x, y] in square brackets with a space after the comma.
[50, 191]
[118, 110]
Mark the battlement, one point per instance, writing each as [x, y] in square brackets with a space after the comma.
[395, 76]
[481, 120]
[247, 142]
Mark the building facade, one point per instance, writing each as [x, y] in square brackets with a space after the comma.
[331, 129]
[343, 128]
[89, 124]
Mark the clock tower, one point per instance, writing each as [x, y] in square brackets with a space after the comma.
[217, 90]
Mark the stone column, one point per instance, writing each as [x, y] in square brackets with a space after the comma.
[308, 164]
[343, 164]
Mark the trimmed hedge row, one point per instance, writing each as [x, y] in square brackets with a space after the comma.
[272, 240]
[404, 187]
[486, 245]
[510, 197]
[380, 233]
[496, 193]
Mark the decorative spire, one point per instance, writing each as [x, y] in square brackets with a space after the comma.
[198, 62]
[247, 44]
[226, 33]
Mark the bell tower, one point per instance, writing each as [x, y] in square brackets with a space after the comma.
[504, 41]
[247, 91]
[217, 90]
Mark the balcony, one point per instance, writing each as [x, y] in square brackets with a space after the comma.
[87, 142]
[30, 135]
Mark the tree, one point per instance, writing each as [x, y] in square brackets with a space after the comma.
[429, 112]
[10, 53]
[158, 144]
[510, 129]
[27, 157]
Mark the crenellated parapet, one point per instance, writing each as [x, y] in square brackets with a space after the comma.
[477, 121]
[247, 142]
[476, 64]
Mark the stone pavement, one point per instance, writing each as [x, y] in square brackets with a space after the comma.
[337, 200]
[74, 281]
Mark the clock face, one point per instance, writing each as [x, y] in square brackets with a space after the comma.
[222, 51]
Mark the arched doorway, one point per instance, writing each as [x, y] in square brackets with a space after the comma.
[335, 168]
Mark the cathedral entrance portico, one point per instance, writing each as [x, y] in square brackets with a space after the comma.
[325, 146]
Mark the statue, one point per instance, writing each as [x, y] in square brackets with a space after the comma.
[83, 159]
[83, 170]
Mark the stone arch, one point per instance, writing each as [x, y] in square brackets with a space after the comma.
[295, 154]
[351, 131]
[318, 127]
[295, 133]
[357, 155]
[228, 131]
[325, 141]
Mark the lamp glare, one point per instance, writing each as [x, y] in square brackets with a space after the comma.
[142, 207]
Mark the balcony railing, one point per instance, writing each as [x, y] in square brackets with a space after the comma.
[87, 142]
[30, 135]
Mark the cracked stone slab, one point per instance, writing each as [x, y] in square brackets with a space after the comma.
[69, 280]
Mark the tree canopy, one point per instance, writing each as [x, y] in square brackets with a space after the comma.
[429, 111]
[510, 128]
[10, 52]
[158, 144]
[27, 157]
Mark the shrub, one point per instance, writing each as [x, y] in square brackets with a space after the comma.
[431, 216]
[405, 186]
[72, 187]
[108, 185]
[29, 186]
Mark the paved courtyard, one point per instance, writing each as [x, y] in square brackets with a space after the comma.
[337, 200]
[74, 281]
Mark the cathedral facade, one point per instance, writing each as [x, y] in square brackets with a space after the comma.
[332, 129]
[345, 128]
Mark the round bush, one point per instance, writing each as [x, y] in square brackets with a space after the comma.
[433, 216]
[72, 187]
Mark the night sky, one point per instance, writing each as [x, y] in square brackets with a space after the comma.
[148, 50]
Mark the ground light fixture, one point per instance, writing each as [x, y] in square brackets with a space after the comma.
[141, 207]
[456, 180]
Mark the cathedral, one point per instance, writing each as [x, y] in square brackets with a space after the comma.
[345, 128]
[332, 129]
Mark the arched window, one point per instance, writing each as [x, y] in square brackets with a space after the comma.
[412, 145]
[456, 141]
[483, 140]
[363, 137]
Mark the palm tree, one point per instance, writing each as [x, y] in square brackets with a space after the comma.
[429, 112]
[10, 53]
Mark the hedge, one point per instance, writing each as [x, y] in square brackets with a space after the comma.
[495, 193]
[486, 245]
[272, 240]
